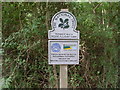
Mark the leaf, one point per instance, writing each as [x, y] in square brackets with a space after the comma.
[61, 20]
[66, 20]
[60, 25]
[66, 26]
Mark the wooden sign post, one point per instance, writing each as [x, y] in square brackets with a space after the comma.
[63, 46]
[63, 76]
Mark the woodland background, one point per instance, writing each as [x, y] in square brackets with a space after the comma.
[24, 41]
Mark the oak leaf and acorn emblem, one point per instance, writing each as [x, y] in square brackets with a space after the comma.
[64, 23]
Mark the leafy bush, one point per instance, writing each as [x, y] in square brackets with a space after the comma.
[25, 28]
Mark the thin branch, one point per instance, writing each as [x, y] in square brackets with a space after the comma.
[55, 75]
[96, 7]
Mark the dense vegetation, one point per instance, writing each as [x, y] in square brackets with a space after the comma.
[24, 33]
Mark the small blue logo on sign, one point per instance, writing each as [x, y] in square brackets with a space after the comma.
[55, 47]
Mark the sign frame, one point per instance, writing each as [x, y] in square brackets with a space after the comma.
[63, 63]
[61, 20]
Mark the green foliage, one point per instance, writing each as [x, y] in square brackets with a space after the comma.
[25, 28]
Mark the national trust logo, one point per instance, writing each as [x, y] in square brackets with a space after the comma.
[64, 21]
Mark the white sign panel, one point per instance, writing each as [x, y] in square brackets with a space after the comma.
[63, 51]
[63, 26]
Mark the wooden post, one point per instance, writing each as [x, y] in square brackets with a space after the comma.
[63, 76]
[63, 71]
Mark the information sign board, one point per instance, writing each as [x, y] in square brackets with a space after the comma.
[63, 51]
[63, 26]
